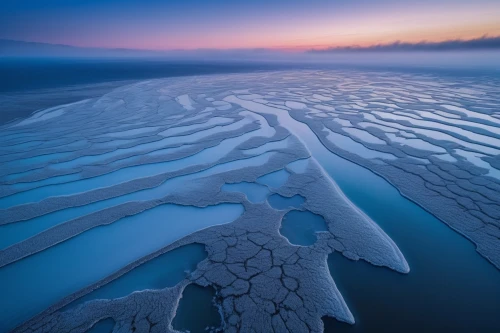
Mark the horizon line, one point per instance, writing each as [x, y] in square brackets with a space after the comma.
[484, 42]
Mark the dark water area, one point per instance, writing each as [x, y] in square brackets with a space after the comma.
[450, 287]
[196, 311]
[103, 326]
[28, 85]
[161, 272]
[31, 84]
[300, 227]
[27, 74]
[22, 74]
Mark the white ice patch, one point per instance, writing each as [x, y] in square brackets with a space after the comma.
[250, 97]
[435, 125]
[475, 159]
[447, 114]
[433, 134]
[173, 131]
[322, 97]
[472, 114]
[265, 130]
[186, 102]
[389, 105]
[446, 158]
[415, 143]
[343, 122]
[221, 105]
[364, 136]
[295, 105]
[348, 144]
[324, 107]
[274, 145]
[386, 129]
[42, 116]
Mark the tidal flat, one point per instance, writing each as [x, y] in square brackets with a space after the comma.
[293, 200]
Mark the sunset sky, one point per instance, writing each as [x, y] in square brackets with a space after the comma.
[223, 24]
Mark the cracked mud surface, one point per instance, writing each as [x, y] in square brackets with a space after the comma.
[77, 167]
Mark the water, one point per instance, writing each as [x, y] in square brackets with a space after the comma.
[206, 156]
[103, 326]
[254, 192]
[280, 202]
[164, 271]
[274, 179]
[450, 285]
[196, 310]
[299, 166]
[300, 227]
[13, 232]
[28, 85]
[64, 268]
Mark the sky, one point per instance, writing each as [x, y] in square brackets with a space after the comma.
[234, 24]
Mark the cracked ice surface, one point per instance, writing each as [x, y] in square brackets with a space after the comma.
[185, 141]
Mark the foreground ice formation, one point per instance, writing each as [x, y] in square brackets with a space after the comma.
[199, 160]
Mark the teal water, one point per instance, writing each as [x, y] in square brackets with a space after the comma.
[196, 310]
[64, 268]
[280, 202]
[164, 271]
[103, 326]
[300, 227]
